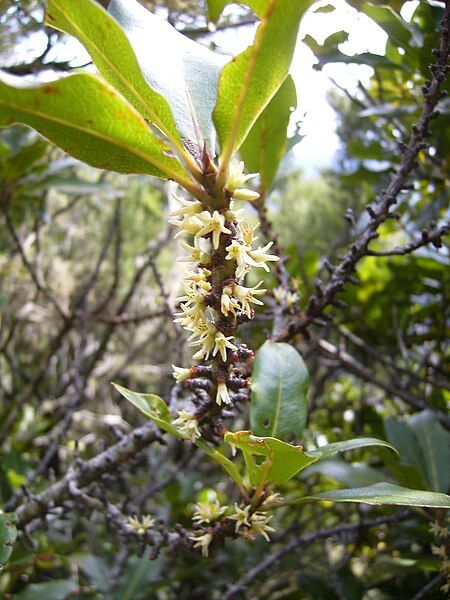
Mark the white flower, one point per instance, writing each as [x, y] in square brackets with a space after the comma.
[190, 317]
[241, 516]
[187, 425]
[208, 511]
[199, 253]
[271, 500]
[291, 299]
[245, 194]
[202, 540]
[248, 232]
[189, 224]
[140, 526]
[207, 333]
[222, 394]
[180, 373]
[246, 296]
[260, 256]
[212, 342]
[259, 524]
[188, 208]
[240, 253]
[236, 178]
[212, 223]
[221, 343]
[228, 304]
[199, 278]
[279, 294]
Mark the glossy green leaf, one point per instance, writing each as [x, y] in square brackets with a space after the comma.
[183, 71]
[355, 444]
[249, 81]
[90, 121]
[225, 462]
[8, 535]
[283, 461]
[385, 493]
[279, 388]
[434, 442]
[350, 474]
[404, 439]
[267, 141]
[114, 57]
[215, 7]
[153, 407]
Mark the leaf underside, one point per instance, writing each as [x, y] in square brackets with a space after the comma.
[114, 57]
[89, 120]
[184, 72]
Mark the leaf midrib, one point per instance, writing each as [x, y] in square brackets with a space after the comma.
[172, 174]
[228, 150]
[157, 121]
[278, 399]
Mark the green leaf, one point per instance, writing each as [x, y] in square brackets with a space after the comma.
[8, 535]
[385, 493]
[215, 7]
[404, 439]
[90, 121]
[95, 568]
[399, 31]
[114, 57]
[183, 71]
[283, 461]
[328, 52]
[325, 9]
[50, 590]
[24, 160]
[332, 449]
[153, 407]
[250, 80]
[351, 475]
[279, 389]
[226, 463]
[267, 141]
[434, 441]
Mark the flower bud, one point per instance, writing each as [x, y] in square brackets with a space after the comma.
[245, 194]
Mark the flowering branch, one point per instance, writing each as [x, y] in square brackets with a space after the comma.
[215, 301]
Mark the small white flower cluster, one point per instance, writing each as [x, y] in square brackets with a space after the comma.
[187, 425]
[205, 513]
[289, 298]
[442, 533]
[197, 314]
[202, 540]
[141, 525]
[249, 524]
[208, 511]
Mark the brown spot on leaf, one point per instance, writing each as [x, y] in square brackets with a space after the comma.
[50, 89]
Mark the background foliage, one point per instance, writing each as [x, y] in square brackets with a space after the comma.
[87, 287]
